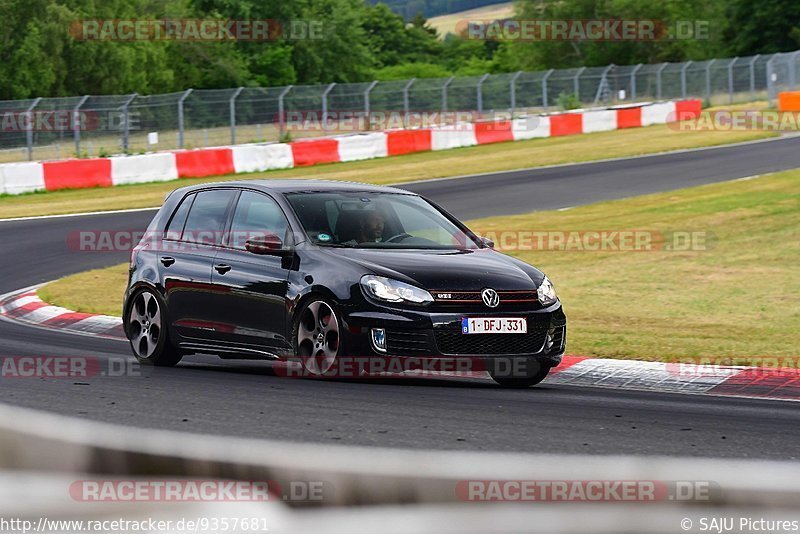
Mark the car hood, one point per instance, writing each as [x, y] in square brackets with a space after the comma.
[463, 270]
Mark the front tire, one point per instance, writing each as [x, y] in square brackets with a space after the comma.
[147, 332]
[316, 336]
[517, 372]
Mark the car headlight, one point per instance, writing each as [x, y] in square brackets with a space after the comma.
[547, 292]
[390, 290]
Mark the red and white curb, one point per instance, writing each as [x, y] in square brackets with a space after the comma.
[684, 378]
[25, 306]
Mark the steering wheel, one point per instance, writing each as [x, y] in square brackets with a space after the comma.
[397, 238]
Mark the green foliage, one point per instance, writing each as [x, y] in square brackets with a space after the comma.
[763, 27]
[354, 41]
[567, 101]
[412, 70]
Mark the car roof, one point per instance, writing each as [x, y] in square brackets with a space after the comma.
[299, 186]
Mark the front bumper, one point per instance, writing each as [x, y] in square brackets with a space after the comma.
[421, 333]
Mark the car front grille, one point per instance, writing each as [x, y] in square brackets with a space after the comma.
[407, 343]
[474, 297]
[453, 342]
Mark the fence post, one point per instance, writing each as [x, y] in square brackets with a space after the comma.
[793, 66]
[405, 99]
[281, 111]
[444, 91]
[366, 99]
[29, 127]
[603, 83]
[544, 88]
[232, 108]
[183, 97]
[708, 79]
[770, 75]
[658, 80]
[513, 89]
[633, 80]
[325, 101]
[479, 92]
[76, 124]
[126, 127]
[753, 76]
[730, 79]
[576, 83]
[683, 78]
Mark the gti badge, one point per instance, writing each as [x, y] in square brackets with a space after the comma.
[490, 297]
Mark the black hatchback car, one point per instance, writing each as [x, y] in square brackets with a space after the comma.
[320, 273]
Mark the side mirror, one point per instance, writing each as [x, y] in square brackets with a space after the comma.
[488, 243]
[267, 244]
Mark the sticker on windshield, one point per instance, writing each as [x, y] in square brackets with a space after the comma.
[324, 237]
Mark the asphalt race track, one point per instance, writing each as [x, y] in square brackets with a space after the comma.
[209, 395]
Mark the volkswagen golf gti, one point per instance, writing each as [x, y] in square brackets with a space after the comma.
[314, 272]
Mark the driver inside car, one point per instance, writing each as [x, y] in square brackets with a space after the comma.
[372, 226]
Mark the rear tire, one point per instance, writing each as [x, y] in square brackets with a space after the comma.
[147, 332]
[517, 372]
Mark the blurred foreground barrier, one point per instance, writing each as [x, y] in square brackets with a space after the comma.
[31, 440]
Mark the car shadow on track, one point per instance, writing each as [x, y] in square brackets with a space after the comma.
[279, 370]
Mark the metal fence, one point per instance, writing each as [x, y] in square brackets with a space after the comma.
[52, 128]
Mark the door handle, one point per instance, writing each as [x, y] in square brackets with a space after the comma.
[167, 261]
[222, 268]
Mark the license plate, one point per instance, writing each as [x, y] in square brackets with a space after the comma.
[494, 325]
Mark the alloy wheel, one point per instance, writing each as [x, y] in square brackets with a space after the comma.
[318, 337]
[145, 325]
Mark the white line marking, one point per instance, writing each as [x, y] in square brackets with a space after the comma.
[86, 214]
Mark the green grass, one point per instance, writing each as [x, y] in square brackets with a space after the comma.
[420, 166]
[738, 298]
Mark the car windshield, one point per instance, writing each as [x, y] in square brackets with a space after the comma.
[376, 220]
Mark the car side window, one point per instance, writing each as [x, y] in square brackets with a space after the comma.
[206, 220]
[257, 215]
[175, 227]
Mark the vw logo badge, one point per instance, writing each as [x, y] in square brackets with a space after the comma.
[490, 297]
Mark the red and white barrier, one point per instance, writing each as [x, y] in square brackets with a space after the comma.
[16, 178]
[658, 113]
[399, 142]
[257, 158]
[455, 136]
[531, 127]
[601, 120]
[204, 162]
[158, 167]
[363, 146]
[77, 174]
[315, 151]
[629, 117]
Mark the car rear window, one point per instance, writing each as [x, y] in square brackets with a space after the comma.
[206, 220]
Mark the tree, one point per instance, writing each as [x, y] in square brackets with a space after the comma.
[762, 27]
